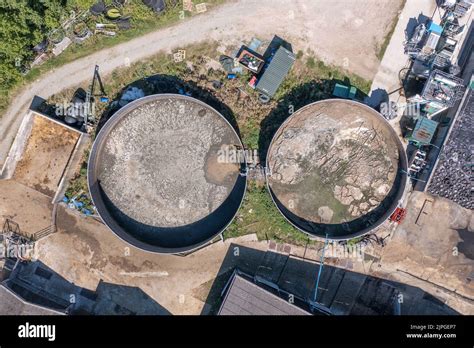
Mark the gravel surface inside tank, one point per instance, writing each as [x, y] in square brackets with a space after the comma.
[159, 164]
[333, 162]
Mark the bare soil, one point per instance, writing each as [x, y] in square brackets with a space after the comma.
[30, 209]
[46, 155]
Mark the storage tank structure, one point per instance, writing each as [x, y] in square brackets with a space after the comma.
[336, 169]
[157, 176]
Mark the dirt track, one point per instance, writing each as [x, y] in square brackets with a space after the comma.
[343, 33]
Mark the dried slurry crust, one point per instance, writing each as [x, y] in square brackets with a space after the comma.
[159, 164]
[333, 162]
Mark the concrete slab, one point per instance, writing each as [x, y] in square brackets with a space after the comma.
[31, 209]
[387, 78]
[433, 251]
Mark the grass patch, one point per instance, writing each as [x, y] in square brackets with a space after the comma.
[383, 47]
[311, 63]
[259, 215]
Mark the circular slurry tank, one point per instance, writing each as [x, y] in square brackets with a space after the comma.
[336, 169]
[157, 177]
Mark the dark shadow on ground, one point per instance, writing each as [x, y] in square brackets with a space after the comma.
[38, 284]
[160, 84]
[377, 96]
[275, 44]
[466, 247]
[413, 23]
[342, 291]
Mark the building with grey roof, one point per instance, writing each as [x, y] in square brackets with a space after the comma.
[12, 304]
[244, 297]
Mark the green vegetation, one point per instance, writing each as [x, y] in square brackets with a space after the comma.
[25, 23]
[354, 241]
[78, 188]
[311, 63]
[258, 213]
[383, 47]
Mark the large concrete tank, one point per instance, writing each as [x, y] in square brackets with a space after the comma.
[155, 176]
[336, 169]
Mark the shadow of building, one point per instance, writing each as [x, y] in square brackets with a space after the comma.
[340, 292]
[36, 283]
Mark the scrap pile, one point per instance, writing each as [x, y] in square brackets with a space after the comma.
[15, 244]
[433, 49]
[111, 17]
[454, 173]
[432, 45]
[268, 70]
[441, 90]
[105, 17]
[79, 201]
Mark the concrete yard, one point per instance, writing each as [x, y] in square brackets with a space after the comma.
[84, 252]
[29, 208]
[433, 246]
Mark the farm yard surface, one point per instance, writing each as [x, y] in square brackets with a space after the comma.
[84, 251]
[30, 209]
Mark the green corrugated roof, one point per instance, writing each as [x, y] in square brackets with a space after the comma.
[424, 130]
[276, 71]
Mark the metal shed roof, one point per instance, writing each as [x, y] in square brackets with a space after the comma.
[424, 130]
[246, 298]
[12, 304]
[276, 71]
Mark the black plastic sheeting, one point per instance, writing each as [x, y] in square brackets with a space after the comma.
[98, 8]
[41, 47]
[156, 5]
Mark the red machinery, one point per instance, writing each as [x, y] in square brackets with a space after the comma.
[398, 215]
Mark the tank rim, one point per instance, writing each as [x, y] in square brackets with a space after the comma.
[403, 161]
[109, 221]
